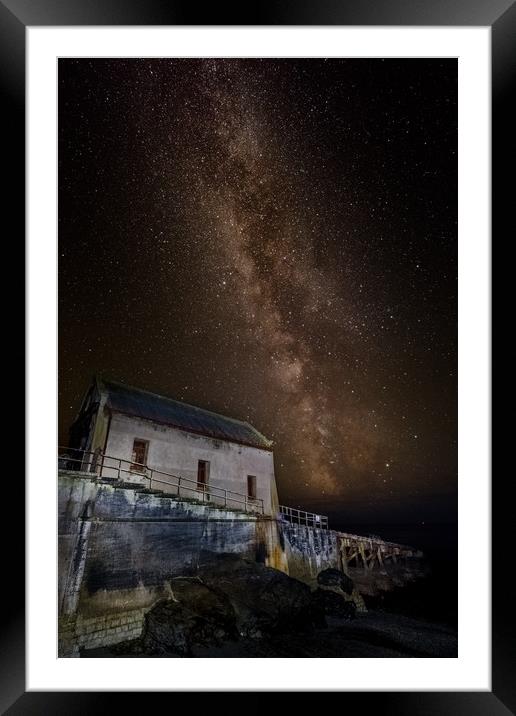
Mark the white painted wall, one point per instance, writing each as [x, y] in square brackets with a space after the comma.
[177, 452]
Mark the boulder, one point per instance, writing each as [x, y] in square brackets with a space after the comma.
[335, 578]
[334, 604]
[229, 598]
[194, 616]
[264, 600]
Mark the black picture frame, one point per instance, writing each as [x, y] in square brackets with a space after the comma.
[500, 15]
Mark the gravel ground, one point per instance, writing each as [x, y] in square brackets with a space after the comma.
[373, 635]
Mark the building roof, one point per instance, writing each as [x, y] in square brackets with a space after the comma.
[166, 411]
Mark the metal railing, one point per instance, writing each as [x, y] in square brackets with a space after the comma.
[300, 517]
[108, 467]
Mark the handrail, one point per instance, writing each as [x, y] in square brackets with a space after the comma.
[301, 517]
[97, 463]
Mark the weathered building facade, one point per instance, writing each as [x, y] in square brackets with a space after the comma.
[140, 437]
[149, 485]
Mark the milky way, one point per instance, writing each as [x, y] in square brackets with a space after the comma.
[275, 240]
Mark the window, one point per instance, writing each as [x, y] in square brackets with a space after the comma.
[251, 487]
[139, 457]
[203, 469]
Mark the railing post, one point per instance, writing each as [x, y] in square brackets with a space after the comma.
[150, 479]
[94, 460]
[245, 503]
[179, 486]
[119, 470]
[225, 498]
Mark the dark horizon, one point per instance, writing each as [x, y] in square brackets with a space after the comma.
[275, 240]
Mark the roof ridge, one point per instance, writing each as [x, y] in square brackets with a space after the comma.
[107, 382]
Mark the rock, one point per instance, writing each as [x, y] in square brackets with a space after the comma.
[264, 600]
[334, 604]
[359, 602]
[131, 647]
[335, 578]
[229, 598]
[194, 616]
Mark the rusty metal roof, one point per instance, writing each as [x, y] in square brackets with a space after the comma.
[157, 408]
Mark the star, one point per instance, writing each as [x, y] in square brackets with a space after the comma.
[267, 239]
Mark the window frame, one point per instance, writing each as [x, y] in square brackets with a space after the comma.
[252, 481]
[136, 466]
[202, 486]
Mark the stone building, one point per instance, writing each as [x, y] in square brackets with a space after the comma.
[133, 436]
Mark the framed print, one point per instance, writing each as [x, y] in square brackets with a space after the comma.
[258, 347]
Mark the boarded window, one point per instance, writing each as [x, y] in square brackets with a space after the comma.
[139, 457]
[251, 487]
[203, 468]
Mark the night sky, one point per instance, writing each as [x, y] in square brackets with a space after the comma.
[275, 240]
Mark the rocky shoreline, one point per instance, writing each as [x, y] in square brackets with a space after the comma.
[236, 608]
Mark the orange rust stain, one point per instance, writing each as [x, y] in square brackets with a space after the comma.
[267, 533]
[277, 559]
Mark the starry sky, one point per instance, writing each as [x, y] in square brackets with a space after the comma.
[276, 240]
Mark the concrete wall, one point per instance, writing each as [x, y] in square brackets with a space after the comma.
[309, 551]
[119, 549]
[178, 452]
